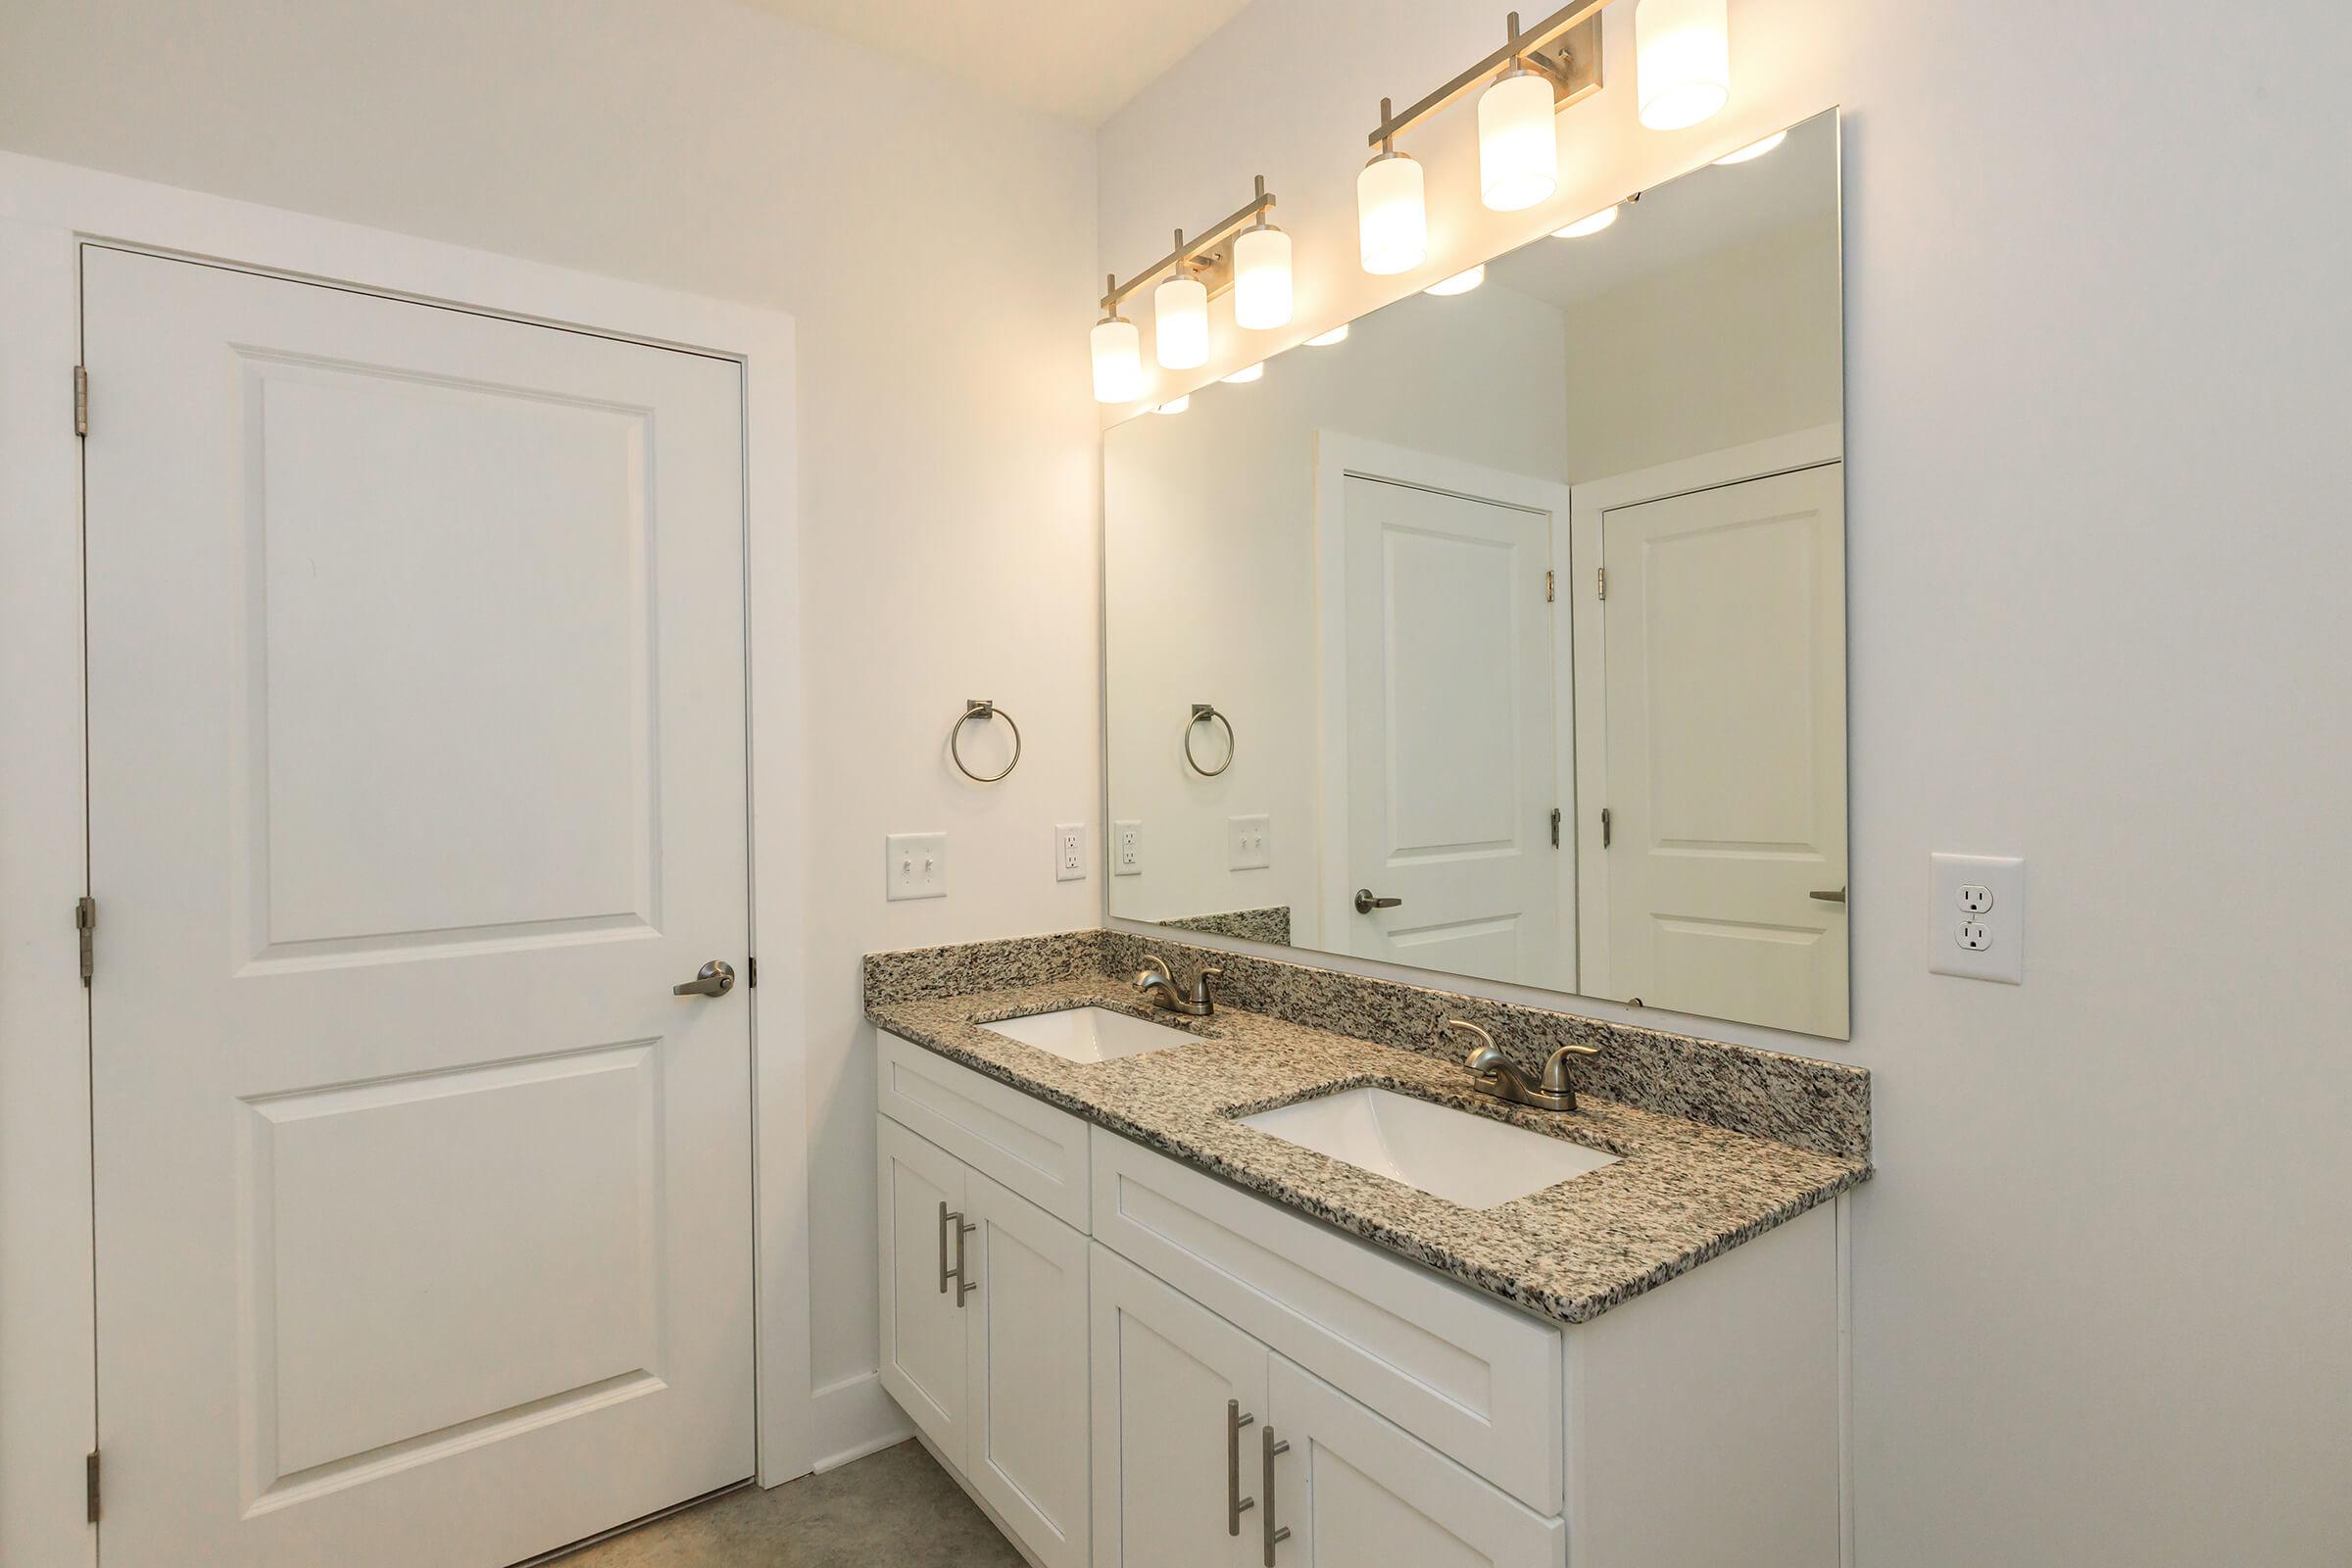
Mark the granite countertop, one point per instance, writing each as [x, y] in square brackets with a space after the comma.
[1680, 1192]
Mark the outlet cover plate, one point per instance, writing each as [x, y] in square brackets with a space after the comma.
[1126, 848]
[1967, 936]
[1069, 852]
[916, 865]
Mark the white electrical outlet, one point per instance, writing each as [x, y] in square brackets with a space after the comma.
[1069, 852]
[1977, 917]
[916, 865]
[1246, 841]
[1126, 848]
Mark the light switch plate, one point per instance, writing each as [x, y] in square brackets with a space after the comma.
[1245, 843]
[1069, 852]
[1126, 848]
[1977, 917]
[916, 865]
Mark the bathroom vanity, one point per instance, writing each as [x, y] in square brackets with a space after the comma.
[1241, 1289]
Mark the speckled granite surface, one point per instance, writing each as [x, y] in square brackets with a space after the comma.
[1271, 926]
[1683, 1191]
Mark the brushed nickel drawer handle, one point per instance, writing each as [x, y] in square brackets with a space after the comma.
[963, 1283]
[1275, 1534]
[1234, 1503]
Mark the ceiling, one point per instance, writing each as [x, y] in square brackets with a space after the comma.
[1080, 59]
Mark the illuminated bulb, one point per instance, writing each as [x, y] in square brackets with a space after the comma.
[1175, 405]
[1261, 277]
[1253, 374]
[1180, 312]
[1683, 59]
[1518, 147]
[1324, 340]
[1390, 222]
[1753, 150]
[1586, 226]
[1459, 282]
[1119, 360]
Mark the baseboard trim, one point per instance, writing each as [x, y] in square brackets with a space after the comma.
[852, 1418]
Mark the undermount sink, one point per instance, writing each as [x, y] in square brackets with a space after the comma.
[1472, 1160]
[1090, 1034]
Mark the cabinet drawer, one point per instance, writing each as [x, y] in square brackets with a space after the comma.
[1470, 1377]
[1024, 1143]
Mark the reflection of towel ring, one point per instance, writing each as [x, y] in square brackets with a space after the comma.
[982, 707]
[1206, 710]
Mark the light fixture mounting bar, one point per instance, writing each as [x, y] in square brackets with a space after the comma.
[1564, 46]
[1202, 253]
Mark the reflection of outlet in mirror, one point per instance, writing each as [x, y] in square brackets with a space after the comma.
[1069, 852]
[1245, 840]
[917, 866]
[1126, 848]
[1977, 917]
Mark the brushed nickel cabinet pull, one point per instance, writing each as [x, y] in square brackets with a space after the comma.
[1234, 1503]
[945, 1273]
[1275, 1534]
[963, 1283]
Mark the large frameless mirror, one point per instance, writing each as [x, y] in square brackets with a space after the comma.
[1504, 636]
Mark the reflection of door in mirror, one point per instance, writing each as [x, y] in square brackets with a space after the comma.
[1448, 766]
[1723, 751]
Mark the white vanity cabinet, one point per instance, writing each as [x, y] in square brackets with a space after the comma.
[1214, 1381]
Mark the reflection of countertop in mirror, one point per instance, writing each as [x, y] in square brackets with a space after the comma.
[1680, 1192]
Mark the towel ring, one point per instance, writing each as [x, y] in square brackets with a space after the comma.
[981, 708]
[1200, 711]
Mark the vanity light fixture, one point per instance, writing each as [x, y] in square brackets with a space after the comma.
[1324, 340]
[1684, 76]
[1459, 282]
[1243, 253]
[1254, 372]
[1752, 151]
[1583, 226]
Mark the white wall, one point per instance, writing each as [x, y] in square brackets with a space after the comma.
[2097, 346]
[948, 480]
[1210, 539]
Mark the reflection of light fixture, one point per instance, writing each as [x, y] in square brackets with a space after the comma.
[1119, 360]
[1261, 277]
[1391, 225]
[1682, 60]
[1459, 282]
[1324, 340]
[1180, 312]
[1254, 372]
[1175, 405]
[1753, 150]
[1518, 146]
[1587, 225]
[1243, 253]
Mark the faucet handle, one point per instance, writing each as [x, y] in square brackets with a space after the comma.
[1200, 984]
[1555, 1070]
[1484, 1056]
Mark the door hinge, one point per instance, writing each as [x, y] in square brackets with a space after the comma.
[90, 1486]
[1601, 582]
[1605, 827]
[85, 923]
[751, 971]
[1555, 827]
[1551, 584]
[82, 400]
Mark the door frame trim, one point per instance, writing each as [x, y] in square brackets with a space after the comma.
[48, 1418]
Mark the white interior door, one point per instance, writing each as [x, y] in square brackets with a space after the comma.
[417, 780]
[1725, 647]
[1450, 735]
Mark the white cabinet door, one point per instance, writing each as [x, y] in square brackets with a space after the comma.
[1026, 1443]
[924, 1215]
[416, 781]
[1356, 1491]
[1174, 1475]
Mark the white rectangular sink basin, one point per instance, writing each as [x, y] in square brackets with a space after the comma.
[1471, 1160]
[1089, 1034]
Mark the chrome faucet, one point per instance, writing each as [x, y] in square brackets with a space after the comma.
[1491, 1073]
[1157, 981]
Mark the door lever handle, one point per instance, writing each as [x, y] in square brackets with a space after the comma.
[1366, 900]
[715, 979]
[1828, 894]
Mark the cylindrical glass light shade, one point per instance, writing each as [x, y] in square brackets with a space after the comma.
[1683, 59]
[1518, 147]
[1180, 312]
[1261, 277]
[1586, 226]
[1459, 282]
[1390, 222]
[1118, 360]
